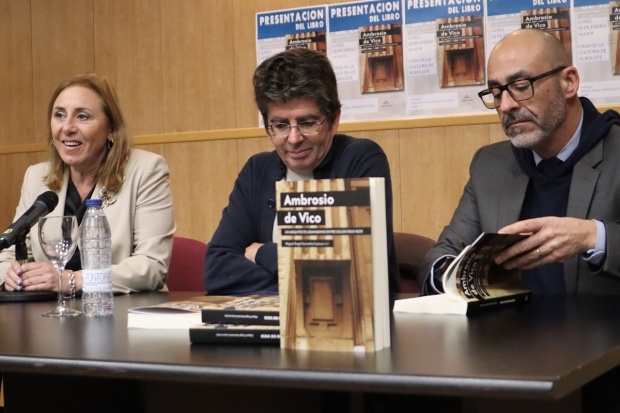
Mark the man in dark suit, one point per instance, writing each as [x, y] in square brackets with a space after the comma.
[556, 178]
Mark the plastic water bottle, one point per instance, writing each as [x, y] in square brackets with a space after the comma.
[96, 253]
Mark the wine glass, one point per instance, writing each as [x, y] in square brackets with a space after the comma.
[58, 237]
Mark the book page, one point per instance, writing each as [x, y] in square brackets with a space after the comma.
[217, 302]
[449, 279]
[479, 278]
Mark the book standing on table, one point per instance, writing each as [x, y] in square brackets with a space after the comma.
[332, 264]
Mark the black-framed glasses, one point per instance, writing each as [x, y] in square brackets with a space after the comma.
[305, 127]
[521, 89]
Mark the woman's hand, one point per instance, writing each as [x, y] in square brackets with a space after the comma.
[38, 276]
[12, 280]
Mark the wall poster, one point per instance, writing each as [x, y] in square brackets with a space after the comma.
[596, 50]
[445, 56]
[277, 31]
[365, 47]
[415, 58]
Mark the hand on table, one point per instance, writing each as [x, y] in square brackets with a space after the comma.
[32, 276]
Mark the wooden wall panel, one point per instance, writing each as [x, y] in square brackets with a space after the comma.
[389, 142]
[321, 2]
[62, 46]
[202, 175]
[16, 120]
[496, 133]
[434, 164]
[159, 149]
[198, 66]
[128, 51]
[249, 147]
[245, 62]
[13, 168]
[40, 157]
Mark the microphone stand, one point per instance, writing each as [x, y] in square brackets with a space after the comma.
[21, 255]
[21, 250]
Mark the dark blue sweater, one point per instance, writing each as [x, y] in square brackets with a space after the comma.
[250, 215]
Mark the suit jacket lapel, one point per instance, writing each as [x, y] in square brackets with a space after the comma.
[582, 189]
[512, 196]
[583, 182]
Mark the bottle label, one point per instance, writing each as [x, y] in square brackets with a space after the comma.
[96, 281]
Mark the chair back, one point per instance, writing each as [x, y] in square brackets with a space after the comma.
[186, 265]
[410, 251]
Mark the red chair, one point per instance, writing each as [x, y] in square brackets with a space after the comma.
[186, 265]
[410, 251]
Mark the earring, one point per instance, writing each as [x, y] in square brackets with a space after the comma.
[110, 143]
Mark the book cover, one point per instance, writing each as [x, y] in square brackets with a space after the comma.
[253, 310]
[444, 57]
[473, 281]
[183, 314]
[332, 263]
[234, 334]
[555, 20]
[381, 58]
[366, 49]
[309, 40]
[614, 33]
[460, 51]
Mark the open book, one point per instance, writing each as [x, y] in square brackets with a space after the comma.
[473, 281]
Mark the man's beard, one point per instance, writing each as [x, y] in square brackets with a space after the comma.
[545, 125]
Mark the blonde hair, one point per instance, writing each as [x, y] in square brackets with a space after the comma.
[109, 175]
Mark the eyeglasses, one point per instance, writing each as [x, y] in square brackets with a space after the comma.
[521, 89]
[305, 128]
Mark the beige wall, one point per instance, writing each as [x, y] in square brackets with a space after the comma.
[185, 66]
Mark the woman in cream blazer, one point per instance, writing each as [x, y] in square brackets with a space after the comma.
[139, 208]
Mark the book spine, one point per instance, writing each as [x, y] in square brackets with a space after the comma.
[483, 305]
[232, 336]
[245, 317]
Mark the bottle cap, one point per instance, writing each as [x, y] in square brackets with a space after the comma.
[93, 202]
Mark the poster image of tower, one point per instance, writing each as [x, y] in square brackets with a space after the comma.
[460, 51]
[309, 40]
[555, 20]
[381, 58]
[614, 32]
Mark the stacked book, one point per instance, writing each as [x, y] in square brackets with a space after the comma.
[215, 319]
[249, 319]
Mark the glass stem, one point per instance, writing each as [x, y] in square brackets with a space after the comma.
[61, 295]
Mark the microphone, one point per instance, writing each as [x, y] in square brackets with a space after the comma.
[44, 204]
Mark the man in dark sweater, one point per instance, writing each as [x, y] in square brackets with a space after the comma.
[557, 178]
[297, 96]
